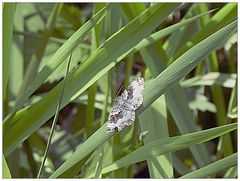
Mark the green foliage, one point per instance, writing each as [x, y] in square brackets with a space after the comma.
[180, 58]
[5, 169]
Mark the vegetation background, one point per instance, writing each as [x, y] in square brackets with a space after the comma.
[185, 128]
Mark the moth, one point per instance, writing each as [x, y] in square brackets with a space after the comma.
[123, 110]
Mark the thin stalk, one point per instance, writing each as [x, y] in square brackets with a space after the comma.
[202, 8]
[30, 159]
[54, 120]
[8, 21]
[91, 109]
[232, 60]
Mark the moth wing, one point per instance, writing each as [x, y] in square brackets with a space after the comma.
[127, 119]
[135, 93]
[123, 111]
[120, 120]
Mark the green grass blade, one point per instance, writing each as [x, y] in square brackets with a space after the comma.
[97, 65]
[98, 172]
[183, 34]
[233, 105]
[172, 144]
[153, 119]
[89, 145]
[5, 170]
[76, 168]
[232, 172]
[54, 120]
[177, 104]
[30, 158]
[211, 78]
[166, 31]
[224, 16]
[8, 20]
[90, 113]
[184, 64]
[213, 167]
[202, 7]
[17, 71]
[179, 165]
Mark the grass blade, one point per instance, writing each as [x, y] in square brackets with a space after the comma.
[8, 20]
[54, 120]
[224, 16]
[153, 119]
[184, 64]
[5, 170]
[211, 78]
[166, 31]
[232, 172]
[172, 144]
[233, 106]
[213, 167]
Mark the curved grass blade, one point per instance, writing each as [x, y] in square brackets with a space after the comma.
[175, 72]
[213, 168]
[184, 64]
[54, 120]
[171, 144]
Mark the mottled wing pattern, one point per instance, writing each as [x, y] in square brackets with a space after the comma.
[120, 120]
[123, 111]
[135, 93]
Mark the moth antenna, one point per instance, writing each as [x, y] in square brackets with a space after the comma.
[119, 90]
[114, 99]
